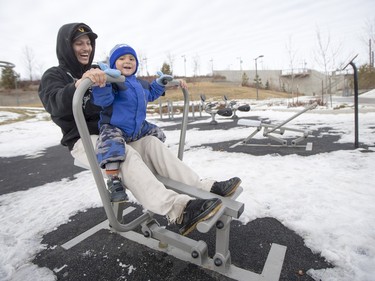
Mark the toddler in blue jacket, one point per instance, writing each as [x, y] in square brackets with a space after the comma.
[123, 115]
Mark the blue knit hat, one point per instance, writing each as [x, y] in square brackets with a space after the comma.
[121, 50]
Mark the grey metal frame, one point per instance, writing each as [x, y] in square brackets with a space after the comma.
[158, 237]
[270, 130]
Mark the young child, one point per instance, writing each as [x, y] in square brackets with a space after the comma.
[123, 115]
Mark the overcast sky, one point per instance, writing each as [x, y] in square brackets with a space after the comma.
[217, 34]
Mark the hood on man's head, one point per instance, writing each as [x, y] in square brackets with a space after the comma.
[64, 49]
[84, 30]
[121, 50]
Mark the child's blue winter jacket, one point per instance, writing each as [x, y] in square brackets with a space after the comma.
[125, 105]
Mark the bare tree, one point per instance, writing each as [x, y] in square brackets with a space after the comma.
[142, 60]
[325, 56]
[29, 60]
[170, 58]
[370, 39]
[196, 65]
[39, 70]
[141, 64]
[292, 56]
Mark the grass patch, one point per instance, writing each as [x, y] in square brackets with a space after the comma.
[23, 114]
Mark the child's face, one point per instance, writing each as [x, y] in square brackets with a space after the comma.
[126, 64]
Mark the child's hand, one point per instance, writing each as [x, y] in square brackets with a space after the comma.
[163, 79]
[109, 71]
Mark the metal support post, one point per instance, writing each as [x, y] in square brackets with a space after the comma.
[355, 76]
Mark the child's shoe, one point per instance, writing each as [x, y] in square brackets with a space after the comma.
[116, 190]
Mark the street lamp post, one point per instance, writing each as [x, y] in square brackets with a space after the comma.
[183, 56]
[145, 60]
[256, 73]
[212, 66]
[240, 63]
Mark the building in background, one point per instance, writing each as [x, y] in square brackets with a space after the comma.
[301, 81]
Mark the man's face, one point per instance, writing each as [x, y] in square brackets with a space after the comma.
[82, 49]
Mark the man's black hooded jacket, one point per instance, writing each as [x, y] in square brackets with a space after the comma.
[58, 86]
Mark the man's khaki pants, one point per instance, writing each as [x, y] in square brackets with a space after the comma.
[144, 158]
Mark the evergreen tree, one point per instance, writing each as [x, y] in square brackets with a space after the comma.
[257, 78]
[267, 86]
[8, 78]
[245, 80]
[366, 77]
[166, 69]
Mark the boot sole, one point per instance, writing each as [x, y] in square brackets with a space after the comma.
[234, 188]
[120, 201]
[117, 201]
[205, 217]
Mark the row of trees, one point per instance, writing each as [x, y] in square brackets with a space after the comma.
[325, 55]
[366, 77]
[257, 80]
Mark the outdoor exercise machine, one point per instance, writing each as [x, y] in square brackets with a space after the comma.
[234, 105]
[273, 132]
[158, 237]
[6, 64]
[229, 109]
[214, 108]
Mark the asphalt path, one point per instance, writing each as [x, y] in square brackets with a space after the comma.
[321, 140]
[22, 173]
[106, 255]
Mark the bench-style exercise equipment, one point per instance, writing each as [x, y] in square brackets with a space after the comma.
[270, 131]
[158, 237]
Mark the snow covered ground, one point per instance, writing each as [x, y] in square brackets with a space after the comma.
[328, 198]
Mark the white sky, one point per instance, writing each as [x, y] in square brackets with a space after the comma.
[217, 30]
[327, 199]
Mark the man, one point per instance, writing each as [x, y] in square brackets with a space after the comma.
[75, 52]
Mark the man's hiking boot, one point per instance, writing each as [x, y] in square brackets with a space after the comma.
[226, 188]
[196, 211]
[116, 190]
